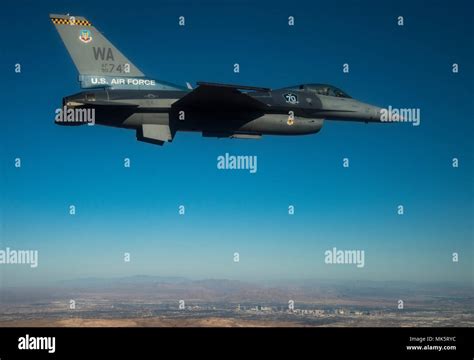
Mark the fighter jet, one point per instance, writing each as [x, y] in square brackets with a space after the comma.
[116, 93]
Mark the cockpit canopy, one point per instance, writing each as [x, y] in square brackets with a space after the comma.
[321, 89]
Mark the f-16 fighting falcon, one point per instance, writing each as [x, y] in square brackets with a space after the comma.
[118, 94]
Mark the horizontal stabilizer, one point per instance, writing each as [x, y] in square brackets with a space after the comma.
[154, 134]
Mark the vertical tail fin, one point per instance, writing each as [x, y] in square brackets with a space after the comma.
[91, 52]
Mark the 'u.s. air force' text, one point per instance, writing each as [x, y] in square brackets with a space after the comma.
[95, 80]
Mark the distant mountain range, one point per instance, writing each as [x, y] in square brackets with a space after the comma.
[159, 288]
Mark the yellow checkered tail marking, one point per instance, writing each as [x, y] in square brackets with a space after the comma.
[70, 21]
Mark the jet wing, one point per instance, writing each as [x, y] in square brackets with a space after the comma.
[210, 96]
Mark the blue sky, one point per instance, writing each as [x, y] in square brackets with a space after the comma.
[136, 210]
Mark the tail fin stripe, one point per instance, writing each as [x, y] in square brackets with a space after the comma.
[70, 22]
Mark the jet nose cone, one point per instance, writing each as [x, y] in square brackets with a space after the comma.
[374, 113]
[385, 115]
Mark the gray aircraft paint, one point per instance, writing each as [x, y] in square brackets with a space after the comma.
[92, 56]
[124, 97]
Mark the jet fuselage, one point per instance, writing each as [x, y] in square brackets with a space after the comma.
[286, 111]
